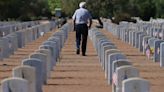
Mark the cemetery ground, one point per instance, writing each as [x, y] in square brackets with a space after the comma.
[76, 73]
[8, 64]
[148, 69]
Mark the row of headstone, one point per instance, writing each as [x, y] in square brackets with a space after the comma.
[147, 37]
[4, 23]
[35, 70]
[119, 72]
[8, 29]
[18, 39]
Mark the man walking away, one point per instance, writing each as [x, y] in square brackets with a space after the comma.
[81, 26]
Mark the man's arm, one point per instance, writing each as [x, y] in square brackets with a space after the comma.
[74, 25]
[90, 19]
[74, 20]
[90, 23]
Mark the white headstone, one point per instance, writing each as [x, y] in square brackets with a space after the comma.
[124, 72]
[48, 55]
[135, 85]
[51, 49]
[111, 59]
[15, 85]
[42, 58]
[38, 65]
[103, 52]
[28, 73]
[105, 63]
[56, 50]
[21, 38]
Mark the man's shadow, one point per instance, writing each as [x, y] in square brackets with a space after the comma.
[100, 23]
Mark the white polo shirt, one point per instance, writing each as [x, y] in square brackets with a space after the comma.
[81, 16]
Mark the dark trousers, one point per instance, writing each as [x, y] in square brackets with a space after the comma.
[81, 32]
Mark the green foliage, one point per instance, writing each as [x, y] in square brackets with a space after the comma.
[145, 9]
[99, 8]
[22, 9]
[159, 4]
[69, 6]
[120, 9]
[54, 4]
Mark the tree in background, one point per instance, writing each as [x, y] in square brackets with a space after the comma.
[54, 4]
[145, 9]
[9, 9]
[100, 8]
[97, 8]
[23, 9]
[159, 4]
[69, 6]
[119, 9]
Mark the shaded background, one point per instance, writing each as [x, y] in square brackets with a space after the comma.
[24, 10]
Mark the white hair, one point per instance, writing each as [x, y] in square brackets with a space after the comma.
[82, 4]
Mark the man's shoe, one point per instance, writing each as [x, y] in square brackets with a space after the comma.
[83, 54]
[78, 51]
